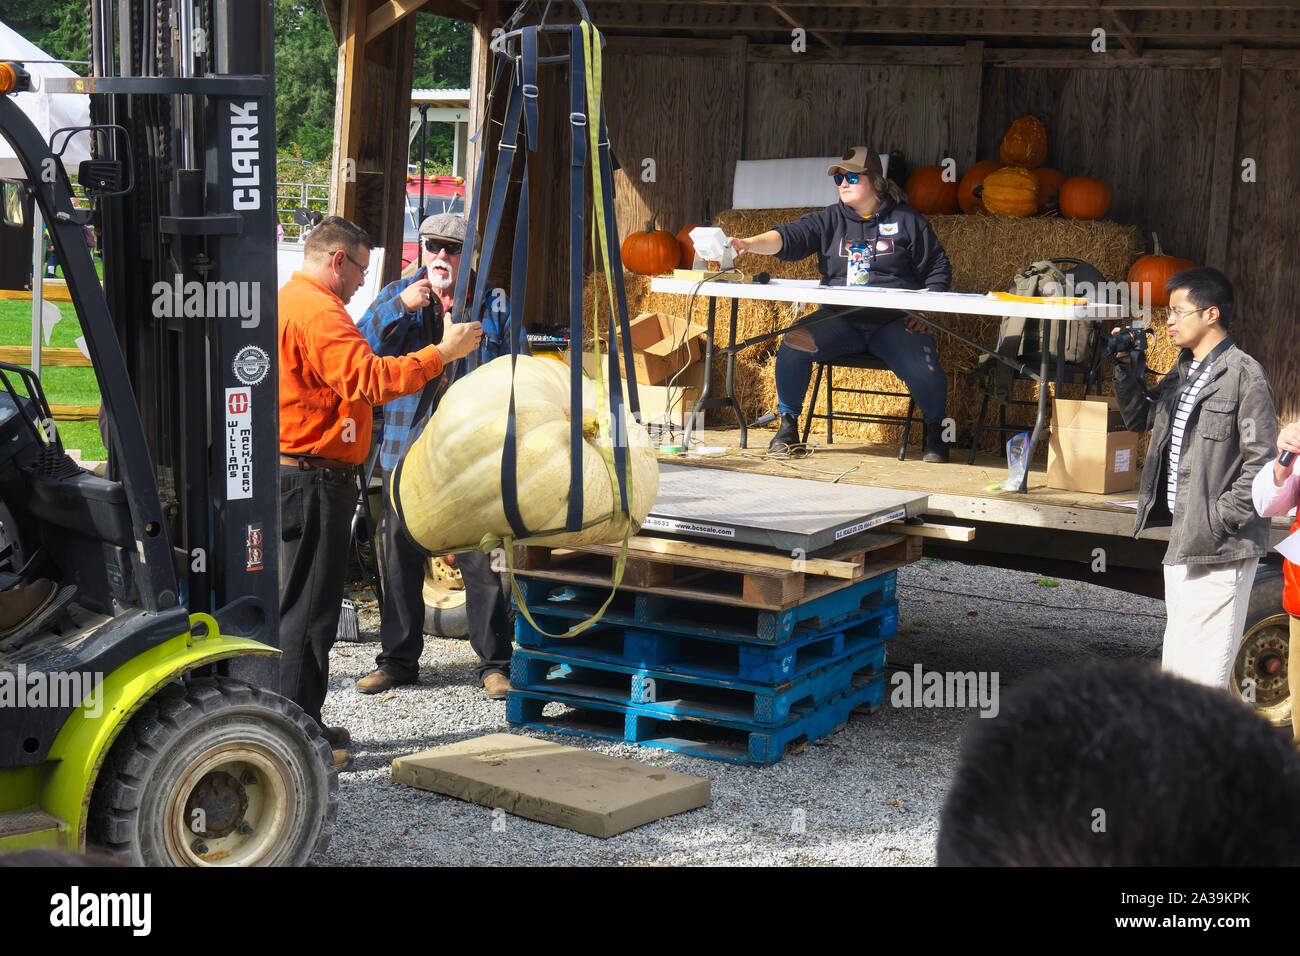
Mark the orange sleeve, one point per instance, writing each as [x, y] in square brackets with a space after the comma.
[341, 356]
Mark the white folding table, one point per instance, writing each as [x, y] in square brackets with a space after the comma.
[811, 291]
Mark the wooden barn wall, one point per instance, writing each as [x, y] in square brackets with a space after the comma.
[1150, 133]
[1106, 124]
[796, 109]
[1264, 243]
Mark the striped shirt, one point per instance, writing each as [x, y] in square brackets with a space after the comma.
[1197, 373]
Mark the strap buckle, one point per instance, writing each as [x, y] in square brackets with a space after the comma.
[530, 90]
[506, 146]
[578, 119]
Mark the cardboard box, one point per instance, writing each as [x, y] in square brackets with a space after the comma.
[1089, 450]
[656, 399]
[662, 345]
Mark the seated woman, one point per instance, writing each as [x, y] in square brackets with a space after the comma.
[903, 252]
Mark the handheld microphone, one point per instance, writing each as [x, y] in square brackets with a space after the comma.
[763, 278]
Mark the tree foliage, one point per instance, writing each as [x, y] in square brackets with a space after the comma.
[306, 65]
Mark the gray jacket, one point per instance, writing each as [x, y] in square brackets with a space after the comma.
[1231, 434]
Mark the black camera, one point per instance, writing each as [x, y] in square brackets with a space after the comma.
[1127, 340]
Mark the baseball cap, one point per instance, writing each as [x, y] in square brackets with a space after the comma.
[444, 225]
[859, 159]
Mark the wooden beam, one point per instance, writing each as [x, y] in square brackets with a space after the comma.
[22, 355]
[52, 290]
[670, 46]
[1270, 60]
[480, 81]
[386, 14]
[826, 41]
[1123, 24]
[347, 110]
[334, 15]
[1111, 59]
[872, 55]
[1187, 24]
[945, 532]
[967, 129]
[1223, 169]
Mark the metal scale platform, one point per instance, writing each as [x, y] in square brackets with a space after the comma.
[771, 511]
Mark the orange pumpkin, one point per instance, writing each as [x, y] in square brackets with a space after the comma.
[1147, 276]
[929, 193]
[1083, 197]
[1010, 191]
[1025, 143]
[687, 247]
[651, 253]
[966, 197]
[1049, 186]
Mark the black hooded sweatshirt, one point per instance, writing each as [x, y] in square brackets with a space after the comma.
[907, 252]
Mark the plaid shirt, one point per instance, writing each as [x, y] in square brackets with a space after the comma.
[392, 331]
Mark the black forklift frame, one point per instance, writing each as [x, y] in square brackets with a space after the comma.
[186, 369]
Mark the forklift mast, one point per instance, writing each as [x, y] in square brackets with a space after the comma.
[190, 283]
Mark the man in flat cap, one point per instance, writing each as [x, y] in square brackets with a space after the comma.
[405, 315]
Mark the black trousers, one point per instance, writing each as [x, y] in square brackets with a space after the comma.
[316, 507]
[401, 627]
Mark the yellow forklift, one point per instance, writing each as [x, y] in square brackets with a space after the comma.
[143, 718]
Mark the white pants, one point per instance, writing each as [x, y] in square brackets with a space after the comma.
[1206, 607]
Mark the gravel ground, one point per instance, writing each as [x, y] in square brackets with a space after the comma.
[869, 795]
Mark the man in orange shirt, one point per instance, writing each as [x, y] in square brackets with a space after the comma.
[329, 381]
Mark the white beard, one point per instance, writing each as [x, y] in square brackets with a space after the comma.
[439, 278]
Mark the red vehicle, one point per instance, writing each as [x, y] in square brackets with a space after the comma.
[441, 194]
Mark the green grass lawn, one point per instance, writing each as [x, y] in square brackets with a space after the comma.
[63, 386]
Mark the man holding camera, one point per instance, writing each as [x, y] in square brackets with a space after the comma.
[1213, 427]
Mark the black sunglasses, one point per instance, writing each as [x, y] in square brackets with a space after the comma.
[433, 246]
[851, 177]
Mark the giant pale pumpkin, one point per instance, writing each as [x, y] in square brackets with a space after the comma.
[450, 483]
[1082, 197]
[929, 193]
[1148, 275]
[966, 197]
[1049, 187]
[1010, 191]
[652, 252]
[1025, 143]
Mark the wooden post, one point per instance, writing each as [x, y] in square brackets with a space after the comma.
[347, 110]
[480, 81]
[1223, 169]
[965, 144]
[739, 83]
[397, 143]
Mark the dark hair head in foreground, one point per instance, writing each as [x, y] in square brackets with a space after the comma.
[1121, 765]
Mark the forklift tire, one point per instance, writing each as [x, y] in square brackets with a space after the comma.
[1259, 675]
[215, 772]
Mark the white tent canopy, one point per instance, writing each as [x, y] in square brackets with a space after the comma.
[48, 111]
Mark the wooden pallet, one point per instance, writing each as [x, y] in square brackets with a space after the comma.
[757, 579]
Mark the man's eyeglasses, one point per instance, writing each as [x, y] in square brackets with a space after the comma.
[434, 246]
[364, 269]
[851, 177]
[1182, 315]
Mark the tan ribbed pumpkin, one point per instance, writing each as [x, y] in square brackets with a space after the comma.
[1011, 191]
[450, 483]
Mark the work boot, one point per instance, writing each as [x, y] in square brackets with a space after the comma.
[342, 760]
[20, 605]
[787, 434]
[336, 736]
[378, 681]
[936, 449]
[496, 686]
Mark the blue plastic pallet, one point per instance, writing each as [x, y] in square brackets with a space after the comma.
[729, 741]
[721, 622]
[673, 696]
[703, 655]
